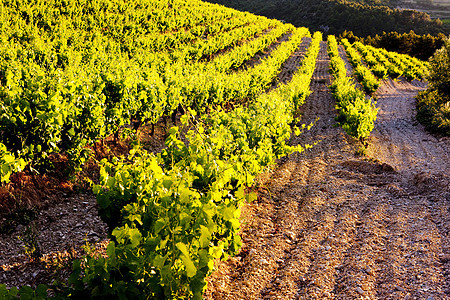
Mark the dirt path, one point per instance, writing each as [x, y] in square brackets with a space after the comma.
[331, 225]
[399, 140]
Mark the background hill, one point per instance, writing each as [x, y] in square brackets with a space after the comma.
[363, 17]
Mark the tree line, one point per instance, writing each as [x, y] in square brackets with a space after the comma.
[419, 46]
[336, 16]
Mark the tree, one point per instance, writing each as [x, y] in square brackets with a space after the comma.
[433, 105]
[440, 70]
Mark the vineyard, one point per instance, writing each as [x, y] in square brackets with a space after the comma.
[174, 114]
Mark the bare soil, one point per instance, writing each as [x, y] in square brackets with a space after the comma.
[329, 224]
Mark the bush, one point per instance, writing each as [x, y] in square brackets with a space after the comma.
[433, 105]
[433, 111]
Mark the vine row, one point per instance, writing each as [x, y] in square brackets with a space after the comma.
[357, 114]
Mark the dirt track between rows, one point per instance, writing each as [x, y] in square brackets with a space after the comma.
[329, 224]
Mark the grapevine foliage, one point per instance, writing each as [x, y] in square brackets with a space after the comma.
[72, 75]
[357, 114]
[173, 214]
[383, 63]
[368, 81]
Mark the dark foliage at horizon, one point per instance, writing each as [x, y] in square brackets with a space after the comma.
[419, 46]
[336, 16]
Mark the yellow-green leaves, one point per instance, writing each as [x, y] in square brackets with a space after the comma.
[357, 113]
[169, 215]
[205, 236]
[368, 81]
[128, 235]
[191, 270]
[9, 164]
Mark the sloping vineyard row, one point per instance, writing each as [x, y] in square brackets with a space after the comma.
[31, 30]
[126, 95]
[357, 113]
[119, 19]
[384, 63]
[173, 40]
[368, 81]
[201, 49]
[411, 67]
[172, 214]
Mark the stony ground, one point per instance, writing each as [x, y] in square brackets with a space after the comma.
[328, 224]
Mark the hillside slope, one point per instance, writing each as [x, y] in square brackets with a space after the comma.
[175, 108]
[335, 16]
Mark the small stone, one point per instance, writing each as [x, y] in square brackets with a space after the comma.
[327, 248]
[444, 258]
[264, 261]
[359, 291]
[430, 298]
[399, 288]
[290, 235]
[368, 270]
[92, 233]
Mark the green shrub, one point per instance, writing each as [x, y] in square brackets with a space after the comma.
[433, 105]
[433, 111]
